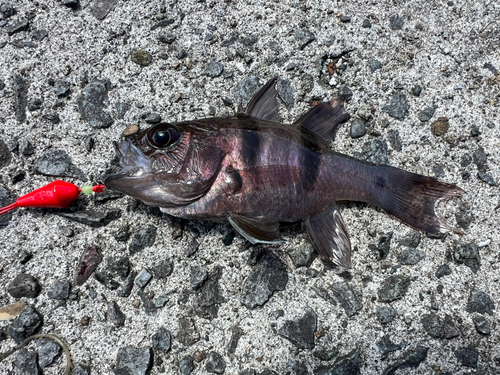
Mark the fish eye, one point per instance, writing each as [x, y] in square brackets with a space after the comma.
[163, 136]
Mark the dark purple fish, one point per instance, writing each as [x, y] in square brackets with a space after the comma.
[255, 173]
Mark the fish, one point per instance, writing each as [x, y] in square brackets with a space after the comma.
[256, 173]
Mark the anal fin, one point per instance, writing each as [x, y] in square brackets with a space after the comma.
[257, 229]
[329, 235]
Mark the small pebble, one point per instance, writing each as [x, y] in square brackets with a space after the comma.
[24, 285]
[417, 90]
[215, 364]
[59, 290]
[186, 365]
[300, 331]
[375, 64]
[440, 126]
[115, 314]
[482, 324]
[153, 118]
[367, 24]
[134, 361]
[142, 58]
[345, 19]
[396, 22]
[426, 114]
[198, 277]
[26, 362]
[48, 351]
[26, 324]
[358, 128]
[161, 340]
[143, 278]
[385, 314]
[214, 69]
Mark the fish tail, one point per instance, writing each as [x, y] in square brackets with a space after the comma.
[412, 197]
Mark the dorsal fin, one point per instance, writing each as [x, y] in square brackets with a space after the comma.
[263, 105]
[325, 118]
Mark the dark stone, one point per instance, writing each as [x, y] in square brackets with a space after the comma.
[6, 198]
[143, 278]
[48, 351]
[394, 288]
[298, 368]
[187, 334]
[18, 176]
[486, 177]
[249, 41]
[302, 255]
[482, 324]
[440, 126]
[358, 128]
[153, 118]
[122, 234]
[383, 246]
[78, 369]
[326, 354]
[396, 22]
[397, 106]
[246, 89]
[119, 266]
[21, 97]
[17, 27]
[167, 38]
[34, 105]
[227, 102]
[147, 303]
[26, 324]
[464, 217]
[145, 237]
[348, 298]
[92, 218]
[374, 64]
[161, 340]
[197, 277]
[24, 256]
[386, 314]
[121, 109]
[7, 10]
[100, 9]
[474, 131]
[267, 276]
[24, 285]
[386, 346]
[73, 4]
[450, 329]
[52, 117]
[345, 19]
[228, 238]
[410, 257]
[26, 362]
[5, 155]
[286, 93]
[300, 331]
[304, 37]
[214, 69]
[230, 41]
[59, 290]
[209, 297]
[375, 152]
[186, 365]
[411, 359]
[467, 254]
[128, 284]
[443, 270]
[92, 103]
[237, 332]
[433, 325]
[181, 55]
[367, 24]
[134, 361]
[467, 357]
[116, 316]
[411, 240]
[106, 280]
[480, 302]
[163, 269]
[89, 261]
[215, 363]
[26, 148]
[426, 114]
[346, 365]
[57, 163]
[417, 90]
[62, 88]
[163, 23]
[480, 159]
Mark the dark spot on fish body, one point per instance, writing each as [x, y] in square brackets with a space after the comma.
[381, 182]
[251, 145]
[308, 140]
[310, 163]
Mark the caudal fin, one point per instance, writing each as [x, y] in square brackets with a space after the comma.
[412, 198]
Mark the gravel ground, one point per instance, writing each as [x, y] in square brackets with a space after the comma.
[424, 86]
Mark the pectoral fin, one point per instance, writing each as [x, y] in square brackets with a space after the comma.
[329, 235]
[257, 229]
[264, 105]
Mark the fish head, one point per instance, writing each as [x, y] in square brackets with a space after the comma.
[167, 165]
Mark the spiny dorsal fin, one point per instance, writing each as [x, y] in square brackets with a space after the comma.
[264, 105]
[257, 229]
[325, 118]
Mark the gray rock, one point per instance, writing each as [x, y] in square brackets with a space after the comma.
[393, 288]
[57, 163]
[209, 297]
[80, 370]
[410, 257]
[246, 89]
[119, 266]
[5, 155]
[123, 233]
[482, 324]
[26, 362]
[143, 278]
[26, 148]
[187, 334]
[474, 131]
[106, 280]
[67, 232]
[163, 23]
[411, 359]
[48, 351]
[24, 285]
[52, 117]
[367, 24]
[17, 27]
[167, 38]
[411, 240]
[346, 365]
[249, 41]
[107, 195]
[480, 302]
[26, 324]
[326, 354]
[397, 106]
[236, 334]
[348, 298]
[163, 269]
[34, 105]
[443, 270]
[386, 314]
[374, 64]
[302, 255]
[464, 217]
[467, 357]
[62, 88]
[427, 113]
[382, 246]
[396, 22]
[92, 104]
[214, 69]
[186, 365]
[7, 10]
[121, 109]
[73, 4]
[215, 363]
[116, 316]
[128, 284]
[197, 277]
[21, 97]
[267, 276]
[6, 198]
[375, 152]
[386, 346]
[134, 361]
[286, 93]
[59, 290]
[304, 37]
[417, 90]
[486, 177]
[468, 254]
[345, 19]
[92, 218]
[153, 118]
[161, 340]
[145, 237]
[300, 331]
[101, 8]
[358, 128]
